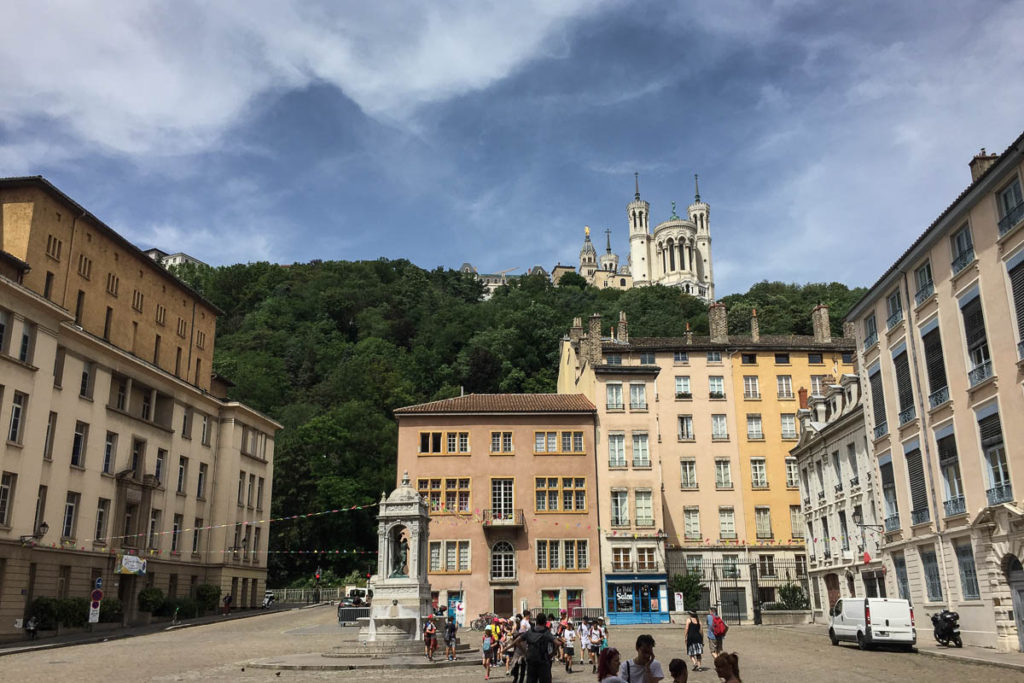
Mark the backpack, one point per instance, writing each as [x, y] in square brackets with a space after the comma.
[718, 626]
[536, 647]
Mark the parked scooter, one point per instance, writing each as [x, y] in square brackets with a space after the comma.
[947, 628]
[268, 599]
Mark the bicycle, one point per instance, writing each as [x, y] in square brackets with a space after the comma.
[176, 619]
[483, 621]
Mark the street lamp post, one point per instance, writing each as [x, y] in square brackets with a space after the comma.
[37, 534]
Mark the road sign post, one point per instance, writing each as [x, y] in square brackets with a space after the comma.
[94, 606]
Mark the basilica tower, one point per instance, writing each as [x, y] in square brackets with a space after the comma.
[699, 212]
[588, 257]
[638, 212]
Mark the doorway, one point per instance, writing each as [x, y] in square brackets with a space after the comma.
[503, 601]
[832, 587]
[549, 601]
[1015, 577]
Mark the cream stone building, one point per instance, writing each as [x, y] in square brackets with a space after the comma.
[512, 486]
[118, 440]
[941, 352]
[689, 480]
[839, 505]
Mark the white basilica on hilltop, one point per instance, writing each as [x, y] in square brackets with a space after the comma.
[676, 254]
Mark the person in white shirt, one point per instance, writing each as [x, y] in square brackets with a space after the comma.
[525, 624]
[569, 636]
[583, 631]
[643, 668]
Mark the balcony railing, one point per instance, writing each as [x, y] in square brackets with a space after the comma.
[614, 406]
[728, 535]
[789, 435]
[922, 294]
[646, 566]
[938, 397]
[980, 373]
[752, 394]
[503, 518]
[638, 405]
[647, 522]
[881, 430]
[892, 522]
[755, 435]
[961, 261]
[620, 521]
[1000, 494]
[1012, 217]
[505, 577]
[907, 414]
[622, 566]
[684, 394]
[920, 516]
[955, 506]
[854, 482]
[785, 394]
[759, 484]
[1020, 350]
[870, 340]
[716, 394]
[895, 319]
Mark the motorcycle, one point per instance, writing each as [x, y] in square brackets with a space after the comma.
[947, 628]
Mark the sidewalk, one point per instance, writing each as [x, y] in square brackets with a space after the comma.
[85, 637]
[926, 645]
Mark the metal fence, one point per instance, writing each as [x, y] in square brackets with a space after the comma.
[306, 596]
[741, 590]
[350, 615]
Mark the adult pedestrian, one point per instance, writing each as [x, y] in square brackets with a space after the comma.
[32, 627]
[643, 668]
[694, 641]
[540, 644]
[717, 629]
[227, 604]
[516, 647]
[596, 641]
[727, 666]
[450, 637]
[526, 623]
[608, 666]
[584, 633]
[678, 671]
[569, 649]
[429, 638]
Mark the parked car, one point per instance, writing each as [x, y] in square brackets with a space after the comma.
[872, 621]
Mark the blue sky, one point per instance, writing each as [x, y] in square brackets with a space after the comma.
[827, 135]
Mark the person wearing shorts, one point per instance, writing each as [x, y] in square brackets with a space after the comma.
[450, 631]
[430, 638]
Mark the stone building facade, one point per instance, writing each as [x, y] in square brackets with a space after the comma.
[119, 442]
[941, 352]
[686, 482]
[512, 486]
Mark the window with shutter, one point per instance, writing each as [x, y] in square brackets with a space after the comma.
[991, 431]
[918, 487]
[947, 449]
[934, 360]
[903, 388]
[877, 399]
[1017, 285]
[974, 324]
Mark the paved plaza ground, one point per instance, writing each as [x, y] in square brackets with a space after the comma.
[221, 650]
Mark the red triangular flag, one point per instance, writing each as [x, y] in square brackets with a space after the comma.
[867, 557]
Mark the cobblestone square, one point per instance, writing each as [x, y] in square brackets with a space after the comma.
[225, 652]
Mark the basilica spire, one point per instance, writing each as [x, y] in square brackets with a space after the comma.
[696, 189]
[636, 178]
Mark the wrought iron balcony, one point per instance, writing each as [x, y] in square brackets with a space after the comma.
[503, 518]
[615, 406]
[638, 405]
[752, 394]
[895, 319]
[980, 373]
[870, 340]
[920, 516]
[907, 414]
[955, 506]
[1012, 217]
[938, 397]
[922, 294]
[881, 430]
[892, 522]
[1000, 494]
[854, 482]
[1020, 350]
[755, 435]
[961, 261]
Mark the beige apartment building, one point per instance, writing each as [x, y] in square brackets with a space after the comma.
[511, 480]
[689, 480]
[941, 355]
[122, 460]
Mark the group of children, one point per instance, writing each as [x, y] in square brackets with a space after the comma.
[590, 636]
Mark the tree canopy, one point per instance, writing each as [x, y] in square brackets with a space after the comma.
[331, 348]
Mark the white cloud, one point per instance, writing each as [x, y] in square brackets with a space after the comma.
[142, 77]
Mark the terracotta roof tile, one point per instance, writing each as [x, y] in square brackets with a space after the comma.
[504, 403]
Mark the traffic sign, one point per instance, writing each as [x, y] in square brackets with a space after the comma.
[99, 582]
[97, 595]
[94, 606]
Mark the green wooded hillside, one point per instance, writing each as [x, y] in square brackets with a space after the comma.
[331, 348]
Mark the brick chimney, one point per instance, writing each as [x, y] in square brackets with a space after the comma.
[718, 320]
[623, 328]
[755, 331]
[802, 393]
[981, 163]
[820, 322]
[689, 334]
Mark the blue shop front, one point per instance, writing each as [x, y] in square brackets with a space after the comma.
[637, 598]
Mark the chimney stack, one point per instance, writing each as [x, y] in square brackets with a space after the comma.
[755, 331]
[623, 328]
[593, 340]
[689, 334]
[981, 163]
[821, 324]
[718, 320]
[802, 393]
[576, 331]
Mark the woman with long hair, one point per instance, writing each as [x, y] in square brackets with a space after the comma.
[727, 666]
[694, 641]
[608, 666]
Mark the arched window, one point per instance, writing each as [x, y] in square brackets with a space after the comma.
[671, 255]
[503, 561]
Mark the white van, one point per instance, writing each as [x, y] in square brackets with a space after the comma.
[872, 621]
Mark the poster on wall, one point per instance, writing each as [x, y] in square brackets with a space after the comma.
[680, 607]
[130, 564]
